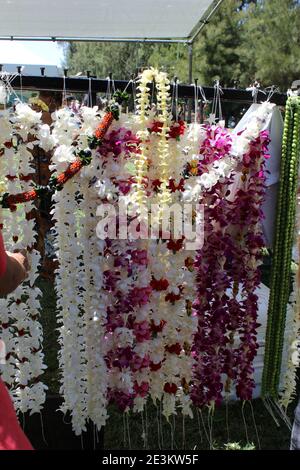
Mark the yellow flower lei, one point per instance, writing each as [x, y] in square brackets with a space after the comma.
[163, 87]
[143, 106]
[40, 103]
[143, 134]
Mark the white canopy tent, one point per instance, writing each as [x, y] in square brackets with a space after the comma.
[105, 20]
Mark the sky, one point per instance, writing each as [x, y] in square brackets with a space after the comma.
[31, 52]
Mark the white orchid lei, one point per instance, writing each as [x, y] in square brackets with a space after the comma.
[22, 332]
[79, 277]
[290, 367]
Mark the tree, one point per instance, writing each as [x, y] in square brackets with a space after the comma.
[272, 43]
[217, 48]
[121, 59]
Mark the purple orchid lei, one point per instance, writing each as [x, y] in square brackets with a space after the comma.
[225, 343]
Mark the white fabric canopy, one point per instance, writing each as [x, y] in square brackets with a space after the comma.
[103, 19]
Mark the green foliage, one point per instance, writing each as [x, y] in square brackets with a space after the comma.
[244, 41]
[272, 42]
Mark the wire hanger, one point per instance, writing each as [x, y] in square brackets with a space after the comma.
[272, 90]
[20, 69]
[196, 98]
[6, 79]
[64, 91]
[90, 96]
[216, 114]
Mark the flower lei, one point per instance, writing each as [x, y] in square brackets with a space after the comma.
[126, 282]
[144, 114]
[39, 103]
[219, 269]
[82, 317]
[130, 331]
[20, 328]
[282, 258]
[290, 151]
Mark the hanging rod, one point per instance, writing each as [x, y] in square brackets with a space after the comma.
[81, 85]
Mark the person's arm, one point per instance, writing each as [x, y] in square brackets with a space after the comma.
[13, 269]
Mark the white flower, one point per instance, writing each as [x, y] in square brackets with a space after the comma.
[223, 167]
[62, 157]
[208, 180]
[3, 93]
[5, 127]
[46, 139]
[90, 117]
[26, 116]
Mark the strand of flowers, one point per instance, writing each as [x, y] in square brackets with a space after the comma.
[83, 380]
[6, 328]
[143, 108]
[126, 281]
[289, 382]
[93, 296]
[74, 306]
[69, 314]
[281, 209]
[282, 256]
[247, 212]
[163, 98]
[71, 355]
[27, 390]
[141, 162]
[172, 324]
[208, 381]
[288, 390]
[212, 306]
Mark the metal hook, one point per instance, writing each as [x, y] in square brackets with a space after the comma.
[66, 72]
[42, 71]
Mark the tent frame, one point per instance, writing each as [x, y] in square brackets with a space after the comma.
[189, 41]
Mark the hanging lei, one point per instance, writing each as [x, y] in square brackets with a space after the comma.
[22, 308]
[143, 118]
[84, 379]
[221, 317]
[290, 178]
[126, 280]
[282, 256]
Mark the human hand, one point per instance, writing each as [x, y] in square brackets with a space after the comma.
[20, 261]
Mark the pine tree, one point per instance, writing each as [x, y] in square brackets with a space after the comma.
[272, 43]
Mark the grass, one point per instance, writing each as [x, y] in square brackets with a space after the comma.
[202, 433]
[230, 427]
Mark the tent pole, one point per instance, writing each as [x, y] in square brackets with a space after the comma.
[190, 52]
[190, 77]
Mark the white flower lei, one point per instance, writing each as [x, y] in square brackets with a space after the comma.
[79, 281]
[289, 375]
[23, 336]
